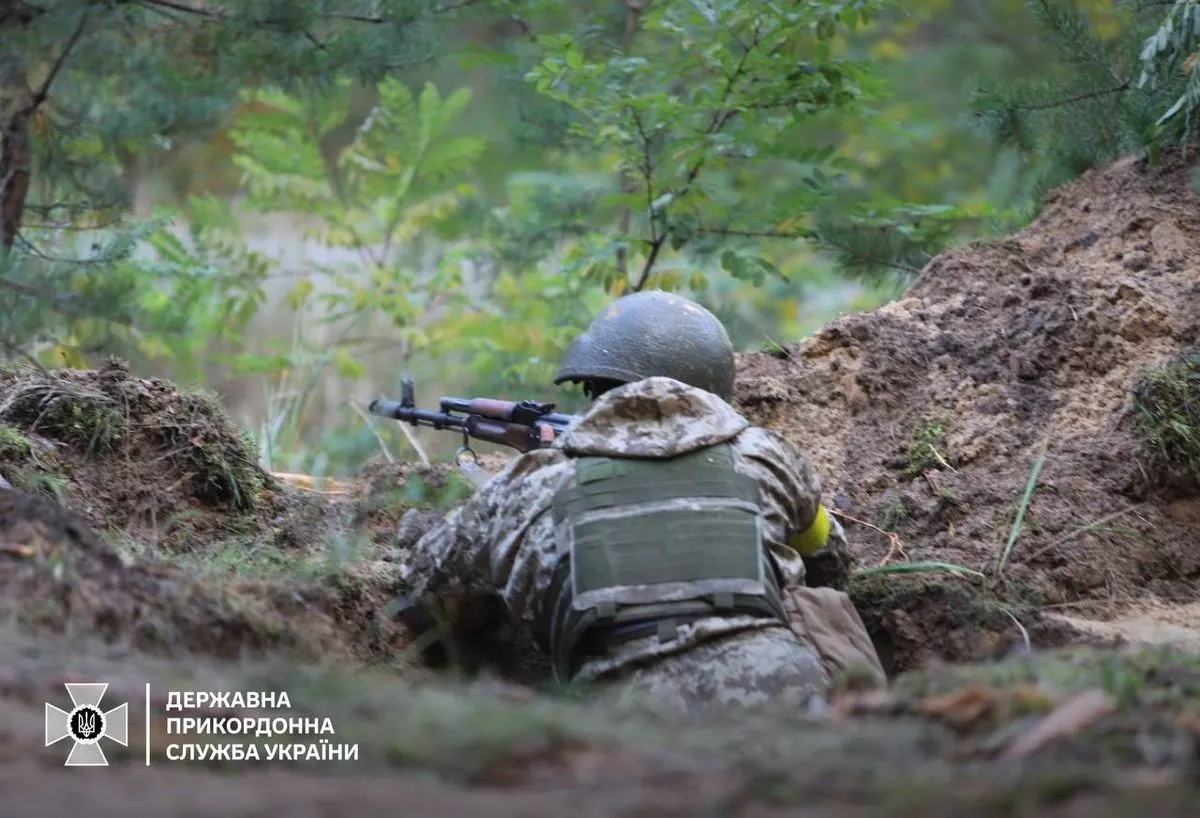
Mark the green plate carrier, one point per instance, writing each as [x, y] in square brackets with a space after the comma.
[656, 543]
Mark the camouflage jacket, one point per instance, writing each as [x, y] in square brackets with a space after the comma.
[501, 541]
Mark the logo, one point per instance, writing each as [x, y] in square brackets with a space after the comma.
[86, 724]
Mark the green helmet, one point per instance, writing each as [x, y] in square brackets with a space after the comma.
[653, 334]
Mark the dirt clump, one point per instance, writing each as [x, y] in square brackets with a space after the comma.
[1006, 360]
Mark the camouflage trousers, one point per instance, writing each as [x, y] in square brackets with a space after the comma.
[762, 669]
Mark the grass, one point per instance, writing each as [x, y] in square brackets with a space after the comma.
[1026, 498]
[68, 410]
[216, 455]
[1147, 678]
[451, 732]
[1166, 419]
[49, 485]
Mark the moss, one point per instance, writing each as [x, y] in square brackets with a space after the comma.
[1166, 412]
[924, 451]
[69, 411]
[13, 444]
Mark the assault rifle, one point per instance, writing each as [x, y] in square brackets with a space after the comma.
[523, 425]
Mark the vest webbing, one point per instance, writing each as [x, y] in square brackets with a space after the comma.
[646, 545]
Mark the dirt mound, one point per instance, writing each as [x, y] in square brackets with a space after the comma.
[176, 539]
[58, 576]
[1025, 357]
[136, 455]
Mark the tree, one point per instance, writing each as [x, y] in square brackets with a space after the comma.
[685, 106]
[1129, 87]
[93, 88]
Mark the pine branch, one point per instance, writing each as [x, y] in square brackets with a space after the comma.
[754, 234]
[1116, 89]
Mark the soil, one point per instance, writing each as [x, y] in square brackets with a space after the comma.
[927, 417]
[140, 542]
[176, 541]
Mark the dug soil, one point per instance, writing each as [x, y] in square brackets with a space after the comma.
[1006, 362]
[1005, 446]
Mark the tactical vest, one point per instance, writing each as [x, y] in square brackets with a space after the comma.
[647, 545]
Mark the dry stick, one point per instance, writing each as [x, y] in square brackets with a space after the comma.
[938, 456]
[1020, 627]
[412, 441]
[374, 431]
[894, 545]
[921, 568]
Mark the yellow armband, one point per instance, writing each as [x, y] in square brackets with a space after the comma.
[812, 539]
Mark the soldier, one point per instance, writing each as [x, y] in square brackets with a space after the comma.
[663, 545]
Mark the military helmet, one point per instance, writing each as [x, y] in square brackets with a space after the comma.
[653, 334]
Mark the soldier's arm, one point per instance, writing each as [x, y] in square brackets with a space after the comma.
[461, 564]
[806, 541]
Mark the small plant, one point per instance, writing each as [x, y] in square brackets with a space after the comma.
[48, 485]
[923, 451]
[1166, 412]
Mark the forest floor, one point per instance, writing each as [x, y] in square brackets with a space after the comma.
[1019, 424]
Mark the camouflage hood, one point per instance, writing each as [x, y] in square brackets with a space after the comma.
[655, 417]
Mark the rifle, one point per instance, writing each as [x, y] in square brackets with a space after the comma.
[524, 425]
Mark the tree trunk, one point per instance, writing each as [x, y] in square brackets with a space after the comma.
[15, 158]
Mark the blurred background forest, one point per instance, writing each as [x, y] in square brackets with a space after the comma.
[293, 203]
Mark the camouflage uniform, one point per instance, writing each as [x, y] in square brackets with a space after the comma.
[502, 542]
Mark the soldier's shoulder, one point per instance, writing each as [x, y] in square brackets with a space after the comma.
[761, 439]
[536, 473]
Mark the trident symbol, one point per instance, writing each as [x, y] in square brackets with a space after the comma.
[87, 724]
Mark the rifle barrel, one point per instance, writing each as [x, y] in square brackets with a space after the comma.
[417, 417]
[386, 408]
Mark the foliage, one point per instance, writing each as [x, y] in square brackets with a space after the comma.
[91, 91]
[686, 112]
[1111, 90]
[420, 264]
[780, 162]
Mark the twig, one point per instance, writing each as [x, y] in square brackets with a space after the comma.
[216, 16]
[720, 119]
[1043, 106]
[938, 457]
[39, 96]
[412, 441]
[919, 568]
